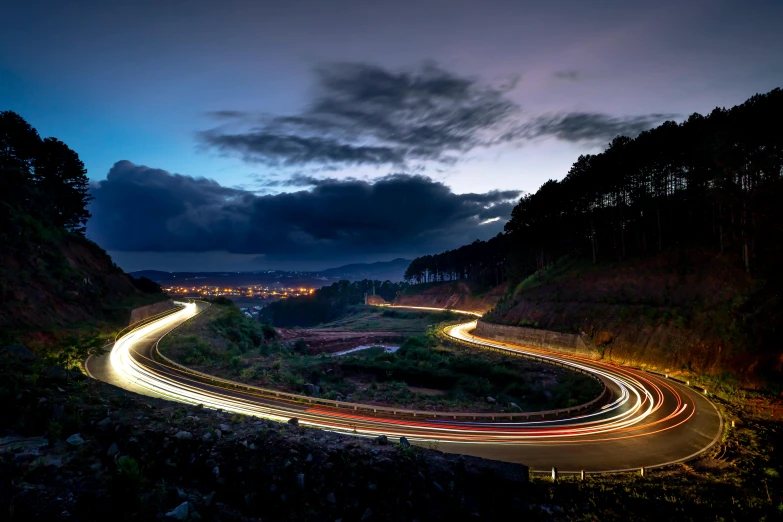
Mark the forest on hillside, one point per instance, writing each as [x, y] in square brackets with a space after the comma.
[711, 181]
[327, 303]
[50, 273]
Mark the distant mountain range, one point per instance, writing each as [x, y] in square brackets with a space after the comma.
[382, 270]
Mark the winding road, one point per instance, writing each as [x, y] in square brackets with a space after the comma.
[644, 420]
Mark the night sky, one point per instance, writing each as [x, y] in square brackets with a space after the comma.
[243, 135]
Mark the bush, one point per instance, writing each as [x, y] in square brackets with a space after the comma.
[300, 346]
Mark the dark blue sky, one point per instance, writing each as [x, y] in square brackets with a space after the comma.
[267, 98]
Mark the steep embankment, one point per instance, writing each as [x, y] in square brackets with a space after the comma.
[58, 279]
[683, 311]
[458, 295]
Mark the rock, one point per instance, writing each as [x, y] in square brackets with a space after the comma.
[330, 498]
[181, 494]
[293, 421]
[300, 480]
[75, 440]
[208, 499]
[105, 422]
[113, 450]
[372, 487]
[382, 440]
[184, 435]
[367, 514]
[97, 466]
[225, 428]
[218, 434]
[16, 351]
[548, 395]
[317, 389]
[437, 486]
[180, 512]
[491, 400]
[216, 471]
[515, 406]
[404, 442]
[309, 388]
[207, 437]
[309, 457]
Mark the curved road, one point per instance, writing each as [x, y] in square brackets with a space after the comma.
[646, 421]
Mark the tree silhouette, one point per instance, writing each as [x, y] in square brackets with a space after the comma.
[708, 181]
[41, 179]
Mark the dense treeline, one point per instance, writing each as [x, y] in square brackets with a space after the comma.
[327, 303]
[41, 181]
[712, 180]
[480, 261]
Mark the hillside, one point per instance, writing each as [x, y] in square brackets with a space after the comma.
[457, 295]
[687, 311]
[51, 276]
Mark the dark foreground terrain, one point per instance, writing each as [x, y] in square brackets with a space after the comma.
[87, 451]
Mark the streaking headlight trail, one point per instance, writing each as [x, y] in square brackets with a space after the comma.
[642, 419]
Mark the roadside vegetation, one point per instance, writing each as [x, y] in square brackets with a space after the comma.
[221, 335]
[421, 374]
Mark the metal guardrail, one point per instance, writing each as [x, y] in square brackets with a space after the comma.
[344, 406]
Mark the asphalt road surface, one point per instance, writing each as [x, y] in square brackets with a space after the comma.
[645, 420]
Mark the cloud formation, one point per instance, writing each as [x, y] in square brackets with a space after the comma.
[141, 209]
[363, 114]
[589, 127]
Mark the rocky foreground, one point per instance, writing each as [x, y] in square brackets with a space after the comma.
[88, 451]
[83, 450]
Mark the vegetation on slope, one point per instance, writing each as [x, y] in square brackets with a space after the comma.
[221, 334]
[51, 276]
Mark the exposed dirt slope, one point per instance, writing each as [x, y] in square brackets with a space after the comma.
[456, 295]
[678, 312]
[64, 280]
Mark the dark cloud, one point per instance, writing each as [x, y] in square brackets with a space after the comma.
[570, 75]
[226, 114]
[363, 114]
[140, 209]
[588, 127]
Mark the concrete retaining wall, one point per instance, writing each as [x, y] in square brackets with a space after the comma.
[534, 338]
[142, 312]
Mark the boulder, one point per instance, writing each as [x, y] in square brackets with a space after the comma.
[75, 440]
[184, 435]
[293, 421]
[404, 442]
[180, 512]
[491, 400]
[382, 440]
